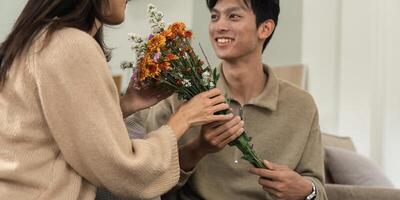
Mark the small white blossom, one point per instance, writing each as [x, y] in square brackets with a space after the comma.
[135, 38]
[138, 45]
[206, 78]
[186, 83]
[156, 20]
[126, 65]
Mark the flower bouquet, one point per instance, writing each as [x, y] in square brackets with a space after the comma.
[166, 59]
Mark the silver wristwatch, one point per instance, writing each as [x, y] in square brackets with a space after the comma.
[313, 193]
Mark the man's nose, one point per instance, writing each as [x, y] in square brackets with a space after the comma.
[222, 26]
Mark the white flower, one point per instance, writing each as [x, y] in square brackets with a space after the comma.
[150, 8]
[186, 83]
[139, 48]
[206, 78]
[157, 23]
[126, 65]
[135, 38]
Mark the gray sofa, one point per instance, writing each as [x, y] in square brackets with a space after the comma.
[338, 191]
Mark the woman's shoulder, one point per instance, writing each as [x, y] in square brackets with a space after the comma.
[73, 39]
[68, 48]
[65, 41]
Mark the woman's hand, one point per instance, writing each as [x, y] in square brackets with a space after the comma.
[137, 99]
[198, 111]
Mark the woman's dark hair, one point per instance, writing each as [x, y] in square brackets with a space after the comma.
[262, 9]
[54, 14]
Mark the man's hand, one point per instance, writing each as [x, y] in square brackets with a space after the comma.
[283, 183]
[213, 138]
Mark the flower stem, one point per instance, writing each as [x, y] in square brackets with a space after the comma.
[243, 144]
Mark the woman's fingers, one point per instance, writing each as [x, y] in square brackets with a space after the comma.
[218, 118]
[217, 100]
[219, 107]
[212, 93]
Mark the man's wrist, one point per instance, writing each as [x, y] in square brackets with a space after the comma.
[125, 108]
[313, 194]
[190, 155]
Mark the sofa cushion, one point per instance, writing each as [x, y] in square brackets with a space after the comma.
[349, 168]
[355, 192]
[330, 140]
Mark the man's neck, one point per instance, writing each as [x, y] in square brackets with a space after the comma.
[245, 79]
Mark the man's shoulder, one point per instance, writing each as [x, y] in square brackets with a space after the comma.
[171, 103]
[163, 108]
[295, 96]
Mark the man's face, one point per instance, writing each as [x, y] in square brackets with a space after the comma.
[233, 31]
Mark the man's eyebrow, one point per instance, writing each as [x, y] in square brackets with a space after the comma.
[228, 10]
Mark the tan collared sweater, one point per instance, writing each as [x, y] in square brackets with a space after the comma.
[62, 130]
[283, 122]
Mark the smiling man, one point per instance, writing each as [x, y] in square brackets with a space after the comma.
[281, 118]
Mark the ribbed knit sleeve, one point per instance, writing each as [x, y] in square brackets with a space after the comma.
[81, 107]
[312, 164]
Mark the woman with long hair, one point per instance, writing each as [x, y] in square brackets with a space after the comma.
[61, 118]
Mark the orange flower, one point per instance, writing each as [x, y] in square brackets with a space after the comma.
[143, 71]
[154, 70]
[178, 28]
[168, 34]
[188, 34]
[156, 42]
[165, 66]
[170, 57]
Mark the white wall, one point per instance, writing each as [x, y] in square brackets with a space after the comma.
[368, 110]
[286, 45]
[352, 50]
[9, 11]
[391, 91]
[320, 52]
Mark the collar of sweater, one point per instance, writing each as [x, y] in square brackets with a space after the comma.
[267, 99]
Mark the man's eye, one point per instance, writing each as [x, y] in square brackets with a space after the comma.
[234, 16]
[214, 17]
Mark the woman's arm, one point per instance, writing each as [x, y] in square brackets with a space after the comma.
[81, 107]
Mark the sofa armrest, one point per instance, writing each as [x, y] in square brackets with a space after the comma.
[354, 192]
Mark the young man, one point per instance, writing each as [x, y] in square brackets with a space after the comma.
[281, 118]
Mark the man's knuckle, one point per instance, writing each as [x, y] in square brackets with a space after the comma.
[279, 195]
[214, 142]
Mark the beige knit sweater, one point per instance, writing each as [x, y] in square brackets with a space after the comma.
[62, 130]
[283, 122]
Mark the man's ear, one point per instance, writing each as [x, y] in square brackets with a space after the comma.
[266, 29]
